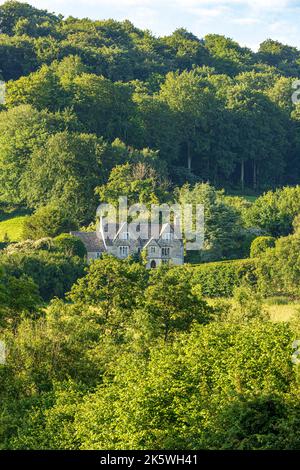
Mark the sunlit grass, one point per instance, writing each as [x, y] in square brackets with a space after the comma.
[281, 309]
[12, 228]
[280, 313]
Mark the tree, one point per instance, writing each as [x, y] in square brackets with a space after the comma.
[222, 222]
[246, 306]
[21, 130]
[227, 55]
[193, 101]
[22, 18]
[261, 136]
[113, 288]
[41, 89]
[274, 211]
[285, 58]
[65, 172]
[54, 273]
[186, 49]
[19, 296]
[113, 102]
[172, 303]
[70, 245]
[156, 126]
[139, 182]
[260, 245]
[187, 394]
[19, 56]
[278, 268]
[48, 221]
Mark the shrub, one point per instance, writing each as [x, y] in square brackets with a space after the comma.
[221, 278]
[48, 221]
[278, 269]
[29, 246]
[275, 211]
[260, 245]
[54, 273]
[70, 245]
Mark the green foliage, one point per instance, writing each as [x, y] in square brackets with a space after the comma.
[223, 225]
[246, 306]
[260, 245]
[11, 229]
[114, 288]
[173, 303]
[139, 182]
[208, 105]
[180, 396]
[274, 212]
[54, 273]
[278, 268]
[102, 358]
[48, 221]
[21, 18]
[23, 130]
[65, 172]
[219, 279]
[70, 245]
[134, 359]
[19, 297]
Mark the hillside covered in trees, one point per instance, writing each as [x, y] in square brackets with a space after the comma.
[112, 355]
[104, 91]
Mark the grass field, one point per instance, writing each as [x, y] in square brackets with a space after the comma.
[248, 197]
[280, 309]
[11, 225]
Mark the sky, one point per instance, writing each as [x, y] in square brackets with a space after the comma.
[247, 21]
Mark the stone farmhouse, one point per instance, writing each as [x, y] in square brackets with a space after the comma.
[162, 248]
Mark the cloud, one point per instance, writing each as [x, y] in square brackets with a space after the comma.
[210, 12]
[246, 21]
[262, 4]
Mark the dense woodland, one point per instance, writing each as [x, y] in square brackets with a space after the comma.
[205, 109]
[112, 355]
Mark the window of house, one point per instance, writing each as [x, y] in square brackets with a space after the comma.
[152, 250]
[167, 236]
[165, 261]
[165, 251]
[123, 250]
[124, 236]
[98, 255]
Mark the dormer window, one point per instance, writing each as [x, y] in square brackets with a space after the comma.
[152, 250]
[167, 236]
[124, 236]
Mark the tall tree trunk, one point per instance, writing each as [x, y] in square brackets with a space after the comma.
[254, 175]
[243, 175]
[189, 157]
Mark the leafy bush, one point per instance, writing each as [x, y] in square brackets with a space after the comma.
[48, 221]
[278, 269]
[260, 245]
[221, 278]
[54, 273]
[275, 211]
[70, 245]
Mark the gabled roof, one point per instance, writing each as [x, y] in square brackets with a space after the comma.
[123, 228]
[152, 230]
[91, 241]
[152, 242]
